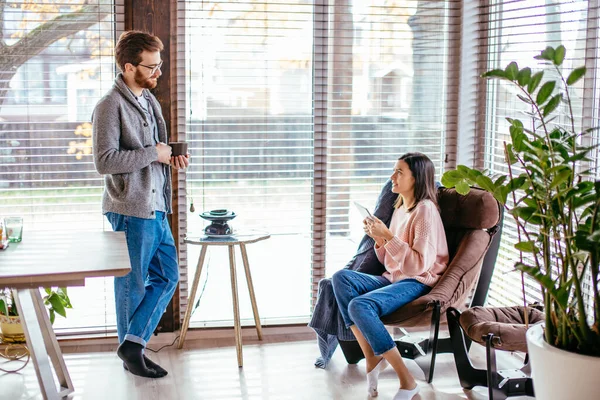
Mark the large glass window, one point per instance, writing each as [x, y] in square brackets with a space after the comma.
[518, 31]
[252, 92]
[47, 93]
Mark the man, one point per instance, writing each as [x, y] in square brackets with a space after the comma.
[129, 136]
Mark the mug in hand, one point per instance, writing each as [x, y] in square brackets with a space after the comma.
[178, 148]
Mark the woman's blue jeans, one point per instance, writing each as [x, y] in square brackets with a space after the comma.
[142, 295]
[363, 299]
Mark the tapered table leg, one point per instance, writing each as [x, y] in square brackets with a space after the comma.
[43, 345]
[251, 290]
[192, 296]
[236, 306]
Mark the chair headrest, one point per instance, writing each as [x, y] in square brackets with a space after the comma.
[477, 210]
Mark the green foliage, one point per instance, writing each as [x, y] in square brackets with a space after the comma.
[56, 301]
[553, 198]
[7, 303]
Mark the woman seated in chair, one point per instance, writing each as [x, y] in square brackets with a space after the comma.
[415, 254]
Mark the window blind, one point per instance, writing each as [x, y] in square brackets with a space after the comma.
[248, 72]
[55, 63]
[517, 31]
[294, 109]
[391, 92]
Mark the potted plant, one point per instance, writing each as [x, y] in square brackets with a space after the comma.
[56, 301]
[550, 192]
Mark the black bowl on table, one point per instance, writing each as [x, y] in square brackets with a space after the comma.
[218, 219]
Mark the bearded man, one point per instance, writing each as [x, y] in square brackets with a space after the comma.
[130, 150]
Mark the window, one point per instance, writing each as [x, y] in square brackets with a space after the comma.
[290, 100]
[47, 173]
[517, 31]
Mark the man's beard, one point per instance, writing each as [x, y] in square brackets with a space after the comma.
[144, 82]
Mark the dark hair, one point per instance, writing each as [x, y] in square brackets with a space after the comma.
[131, 44]
[423, 171]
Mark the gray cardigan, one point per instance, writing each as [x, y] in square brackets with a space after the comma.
[123, 151]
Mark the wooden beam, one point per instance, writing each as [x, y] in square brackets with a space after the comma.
[154, 16]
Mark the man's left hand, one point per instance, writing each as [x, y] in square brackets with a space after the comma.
[180, 162]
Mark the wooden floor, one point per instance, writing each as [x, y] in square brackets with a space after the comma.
[207, 369]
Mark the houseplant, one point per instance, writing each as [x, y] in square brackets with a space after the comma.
[550, 192]
[56, 301]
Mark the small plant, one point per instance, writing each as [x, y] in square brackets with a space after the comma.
[7, 303]
[56, 301]
[554, 201]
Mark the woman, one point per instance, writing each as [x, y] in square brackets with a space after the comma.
[415, 254]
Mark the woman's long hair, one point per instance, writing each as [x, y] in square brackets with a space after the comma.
[423, 171]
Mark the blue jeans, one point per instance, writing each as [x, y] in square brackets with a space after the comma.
[142, 295]
[363, 299]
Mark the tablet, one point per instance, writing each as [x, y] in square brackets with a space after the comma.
[364, 211]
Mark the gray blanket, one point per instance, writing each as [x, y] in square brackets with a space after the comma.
[326, 318]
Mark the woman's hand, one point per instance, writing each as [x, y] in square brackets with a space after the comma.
[376, 229]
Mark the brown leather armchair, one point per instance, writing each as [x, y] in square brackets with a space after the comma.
[472, 224]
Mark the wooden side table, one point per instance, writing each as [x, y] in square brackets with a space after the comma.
[242, 239]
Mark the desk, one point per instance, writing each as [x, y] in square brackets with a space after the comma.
[46, 259]
[242, 239]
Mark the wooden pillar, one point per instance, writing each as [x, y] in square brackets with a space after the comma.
[154, 16]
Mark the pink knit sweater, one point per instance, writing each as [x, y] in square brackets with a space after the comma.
[418, 249]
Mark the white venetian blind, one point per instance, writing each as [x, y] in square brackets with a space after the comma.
[391, 91]
[295, 108]
[518, 31]
[55, 63]
[248, 72]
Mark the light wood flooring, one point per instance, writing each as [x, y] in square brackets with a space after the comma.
[278, 368]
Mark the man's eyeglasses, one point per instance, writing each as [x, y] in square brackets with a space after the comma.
[153, 68]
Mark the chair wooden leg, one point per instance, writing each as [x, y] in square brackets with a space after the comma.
[469, 376]
[493, 379]
[427, 361]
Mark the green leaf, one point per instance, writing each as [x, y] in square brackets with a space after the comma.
[463, 188]
[583, 200]
[526, 247]
[575, 75]
[485, 183]
[534, 81]
[545, 92]
[516, 183]
[552, 104]
[559, 55]
[500, 194]
[463, 170]
[451, 178]
[546, 282]
[3, 307]
[511, 71]
[524, 99]
[57, 304]
[560, 178]
[547, 54]
[495, 73]
[500, 180]
[524, 213]
[524, 76]
[52, 316]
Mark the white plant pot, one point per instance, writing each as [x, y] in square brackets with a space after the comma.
[559, 374]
